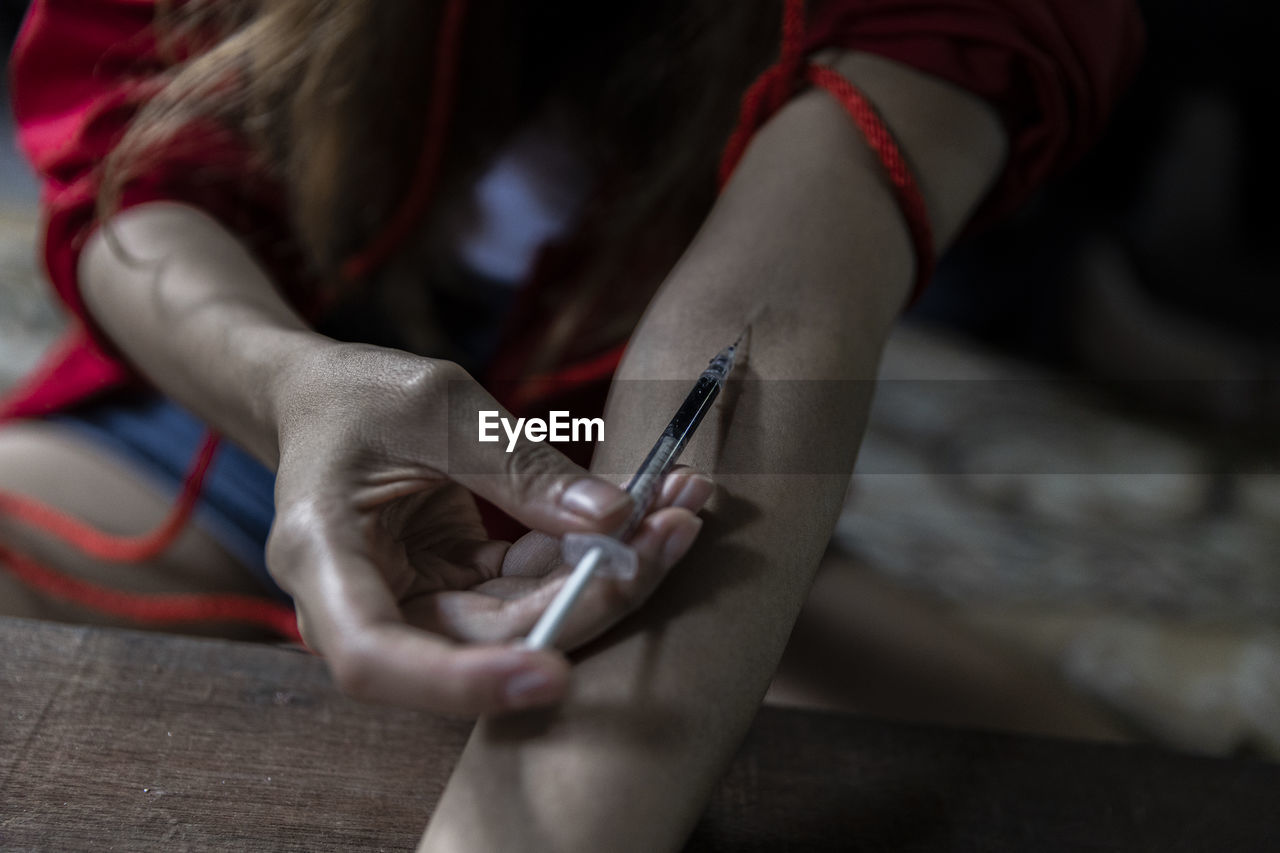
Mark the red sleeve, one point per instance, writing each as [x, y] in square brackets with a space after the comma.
[1054, 69]
[79, 71]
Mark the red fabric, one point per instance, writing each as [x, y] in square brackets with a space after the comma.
[78, 72]
[896, 169]
[1053, 68]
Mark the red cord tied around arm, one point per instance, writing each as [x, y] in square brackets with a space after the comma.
[775, 87]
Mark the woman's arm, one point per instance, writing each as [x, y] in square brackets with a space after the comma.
[808, 247]
[184, 300]
[359, 437]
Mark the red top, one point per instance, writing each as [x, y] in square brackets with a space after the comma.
[1053, 69]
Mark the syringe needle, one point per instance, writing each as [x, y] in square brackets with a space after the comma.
[642, 488]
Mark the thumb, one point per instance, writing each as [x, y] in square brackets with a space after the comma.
[543, 489]
[491, 454]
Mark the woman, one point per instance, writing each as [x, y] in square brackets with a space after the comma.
[299, 174]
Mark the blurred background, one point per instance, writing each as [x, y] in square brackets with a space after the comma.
[1071, 481]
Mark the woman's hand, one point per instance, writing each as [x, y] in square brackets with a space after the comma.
[380, 543]
[375, 536]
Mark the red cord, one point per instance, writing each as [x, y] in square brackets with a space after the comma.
[118, 549]
[409, 213]
[152, 609]
[896, 169]
[139, 608]
[771, 89]
[779, 82]
[597, 368]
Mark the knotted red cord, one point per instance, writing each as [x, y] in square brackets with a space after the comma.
[775, 87]
[764, 98]
[905, 189]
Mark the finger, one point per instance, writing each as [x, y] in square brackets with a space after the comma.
[531, 556]
[543, 489]
[685, 487]
[473, 558]
[354, 622]
[535, 554]
[662, 540]
[397, 664]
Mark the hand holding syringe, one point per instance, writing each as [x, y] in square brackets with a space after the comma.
[589, 551]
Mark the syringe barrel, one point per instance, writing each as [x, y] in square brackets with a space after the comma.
[667, 450]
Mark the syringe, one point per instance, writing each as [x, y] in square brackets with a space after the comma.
[642, 488]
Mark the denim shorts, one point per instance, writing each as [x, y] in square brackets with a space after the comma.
[159, 440]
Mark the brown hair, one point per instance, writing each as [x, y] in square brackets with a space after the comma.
[331, 95]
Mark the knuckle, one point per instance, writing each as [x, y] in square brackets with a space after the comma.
[450, 371]
[431, 378]
[444, 394]
[286, 549]
[284, 555]
[292, 541]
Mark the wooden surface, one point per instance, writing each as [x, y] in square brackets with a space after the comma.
[140, 742]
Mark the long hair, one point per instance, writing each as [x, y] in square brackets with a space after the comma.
[331, 94]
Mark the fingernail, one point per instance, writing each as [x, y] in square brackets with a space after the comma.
[529, 689]
[680, 542]
[594, 499]
[695, 493]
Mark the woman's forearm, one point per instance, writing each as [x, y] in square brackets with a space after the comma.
[189, 307]
[807, 247]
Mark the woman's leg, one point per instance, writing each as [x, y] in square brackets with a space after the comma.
[863, 644]
[50, 463]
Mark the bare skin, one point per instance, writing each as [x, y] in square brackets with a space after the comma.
[865, 644]
[806, 245]
[452, 586]
[376, 536]
[54, 465]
